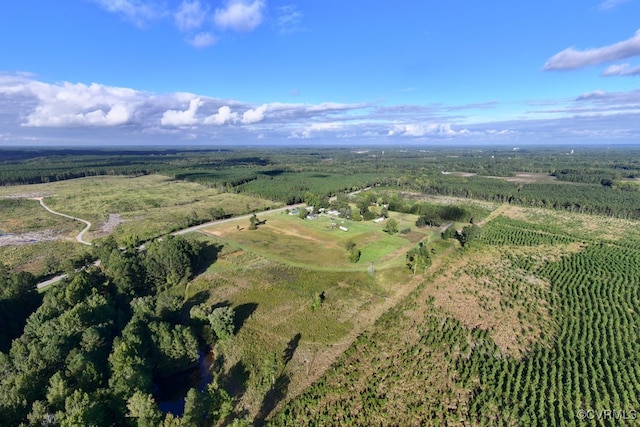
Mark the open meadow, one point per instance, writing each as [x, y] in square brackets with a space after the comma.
[320, 243]
[294, 287]
[142, 207]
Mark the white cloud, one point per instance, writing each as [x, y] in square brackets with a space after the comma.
[621, 70]
[177, 118]
[190, 15]
[70, 104]
[307, 131]
[288, 19]
[611, 4]
[59, 113]
[254, 115]
[418, 130]
[596, 94]
[571, 59]
[240, 15]
[224, 115]
[202, 40]
[137, 11]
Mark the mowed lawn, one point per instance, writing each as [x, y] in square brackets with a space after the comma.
[320, 243]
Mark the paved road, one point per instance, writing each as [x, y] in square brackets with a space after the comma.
[80, 235]
[175, 233]
[56, 279]
[51, 281]
[221, 221]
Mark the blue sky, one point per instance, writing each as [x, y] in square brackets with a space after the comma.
[214, 72]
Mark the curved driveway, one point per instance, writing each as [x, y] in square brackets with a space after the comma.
[80, 235]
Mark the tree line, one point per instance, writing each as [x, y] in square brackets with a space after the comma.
[90, 352]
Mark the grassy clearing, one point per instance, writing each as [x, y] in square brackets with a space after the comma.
[21, 216]
[273, 306]
[320, 244]
[147, 206]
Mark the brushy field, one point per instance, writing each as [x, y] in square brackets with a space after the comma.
[149, 205]
[143, 206]
[34, 240]
[272, 275]
[275, 314]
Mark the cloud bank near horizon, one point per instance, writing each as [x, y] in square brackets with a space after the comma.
[32, 110]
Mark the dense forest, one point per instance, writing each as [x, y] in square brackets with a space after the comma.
[595, 181]
[93, 348]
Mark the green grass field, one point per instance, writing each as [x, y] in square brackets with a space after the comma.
[320, 244]
[271, 275]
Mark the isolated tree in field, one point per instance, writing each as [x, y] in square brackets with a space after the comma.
[253, 222]
[350, 245]
[418, 258]
[468, 234]
[222, 322]
[270, 368]
[355, 254]
[303, 214]
[392, 226]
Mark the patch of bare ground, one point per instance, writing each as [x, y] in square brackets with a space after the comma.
[527, 178]
[113, 220]
[29, 238]
[33, 195]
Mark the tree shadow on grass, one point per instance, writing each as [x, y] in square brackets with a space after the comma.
[271, 399]
[242, 313]
[208, 256]
[235, 381]
[291, 348]
[195, 299]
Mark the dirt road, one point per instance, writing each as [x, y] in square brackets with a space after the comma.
[80, 235]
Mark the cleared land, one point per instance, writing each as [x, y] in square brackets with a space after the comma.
[148, 205]
[271, 276]
[320, 244]
[508, 311]
[143, 206]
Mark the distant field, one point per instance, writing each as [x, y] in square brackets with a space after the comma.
[320, 244]
[145, 205]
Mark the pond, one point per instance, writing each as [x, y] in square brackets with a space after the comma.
[170, 391]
